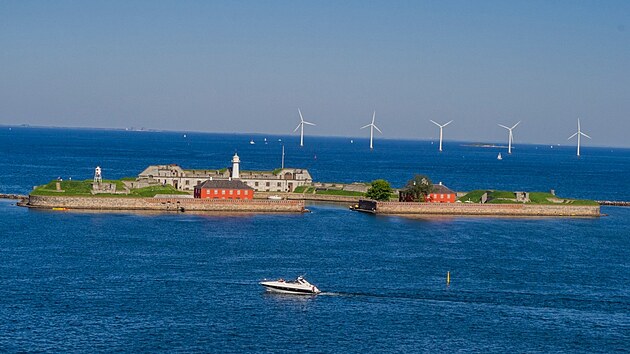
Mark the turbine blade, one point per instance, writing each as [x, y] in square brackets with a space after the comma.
[519, 122]
[365, 126]
[373, 117]
[585, 135]
[375, 127]
[434, 122]
[503, 126]
[308, 123]
[296, 128]
[449, 122]
[301, 118]
[572, 136]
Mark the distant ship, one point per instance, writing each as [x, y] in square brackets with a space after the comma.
[251, 142]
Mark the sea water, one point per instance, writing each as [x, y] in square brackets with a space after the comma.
[89, 281]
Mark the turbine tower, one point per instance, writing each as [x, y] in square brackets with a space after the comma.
[510, 135]
[578, 133]
[372, 127]
[441, 127]
[301, 127]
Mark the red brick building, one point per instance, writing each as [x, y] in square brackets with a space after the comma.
[441, 194]
[224, 189]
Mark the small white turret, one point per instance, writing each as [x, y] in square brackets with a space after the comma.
[235, 166]
[98, 179]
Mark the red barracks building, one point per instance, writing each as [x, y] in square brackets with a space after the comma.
[224, 189]
[441, 194]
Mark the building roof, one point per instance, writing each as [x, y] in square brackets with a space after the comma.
[224, 184]
[441, 189]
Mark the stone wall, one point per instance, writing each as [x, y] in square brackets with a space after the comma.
[309, 196]
[485, 209]
[166, 204]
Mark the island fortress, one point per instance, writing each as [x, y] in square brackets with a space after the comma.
[279, 180]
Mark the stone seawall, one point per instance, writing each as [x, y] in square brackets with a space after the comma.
[310, 197]
[166, 204]
[485, 209]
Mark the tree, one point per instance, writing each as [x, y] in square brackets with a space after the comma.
[379, 190]
[419, 187]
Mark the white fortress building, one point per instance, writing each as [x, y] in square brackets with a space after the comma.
[279, 180]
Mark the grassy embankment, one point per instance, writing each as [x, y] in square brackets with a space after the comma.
[84, 188]
[506, 197]
[312, 190]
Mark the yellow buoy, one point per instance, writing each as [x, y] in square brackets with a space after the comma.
[448, 277]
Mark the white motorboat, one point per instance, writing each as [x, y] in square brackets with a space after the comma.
[274, 197]
[298, 286]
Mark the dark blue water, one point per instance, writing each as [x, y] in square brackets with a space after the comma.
[164, 282]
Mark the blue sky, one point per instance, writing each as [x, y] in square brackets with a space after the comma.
[246, 66]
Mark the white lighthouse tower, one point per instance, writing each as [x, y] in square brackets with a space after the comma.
[98, 179]
[235, 166]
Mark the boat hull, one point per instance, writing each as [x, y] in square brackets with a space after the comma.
[288, 288]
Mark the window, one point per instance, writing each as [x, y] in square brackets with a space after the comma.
[441, 196]
[256, 184]
[223, 191]
[238, 192]
[246, 192]
[279, 184]
[187, 182]
[231, 192]
[268, 184]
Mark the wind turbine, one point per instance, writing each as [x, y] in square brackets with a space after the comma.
[372, 127]
[441, 127]
[301, 127]
[510, 135]
[578, 133]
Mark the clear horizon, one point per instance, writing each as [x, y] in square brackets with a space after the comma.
[247, 67]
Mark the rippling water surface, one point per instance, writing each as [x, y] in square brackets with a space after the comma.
[72, 281]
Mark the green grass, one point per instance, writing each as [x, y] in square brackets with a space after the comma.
[474, 196]
[84, 188]
[340, 192]
[149, 192]
[541, 198]
[300, 189]
[74, 188]
[502, 194]
[506, 197]
[304, 189]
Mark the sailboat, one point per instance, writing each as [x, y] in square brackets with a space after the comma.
[499, 157]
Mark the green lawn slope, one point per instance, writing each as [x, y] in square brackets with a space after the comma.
[84, 188]
[506, 197]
